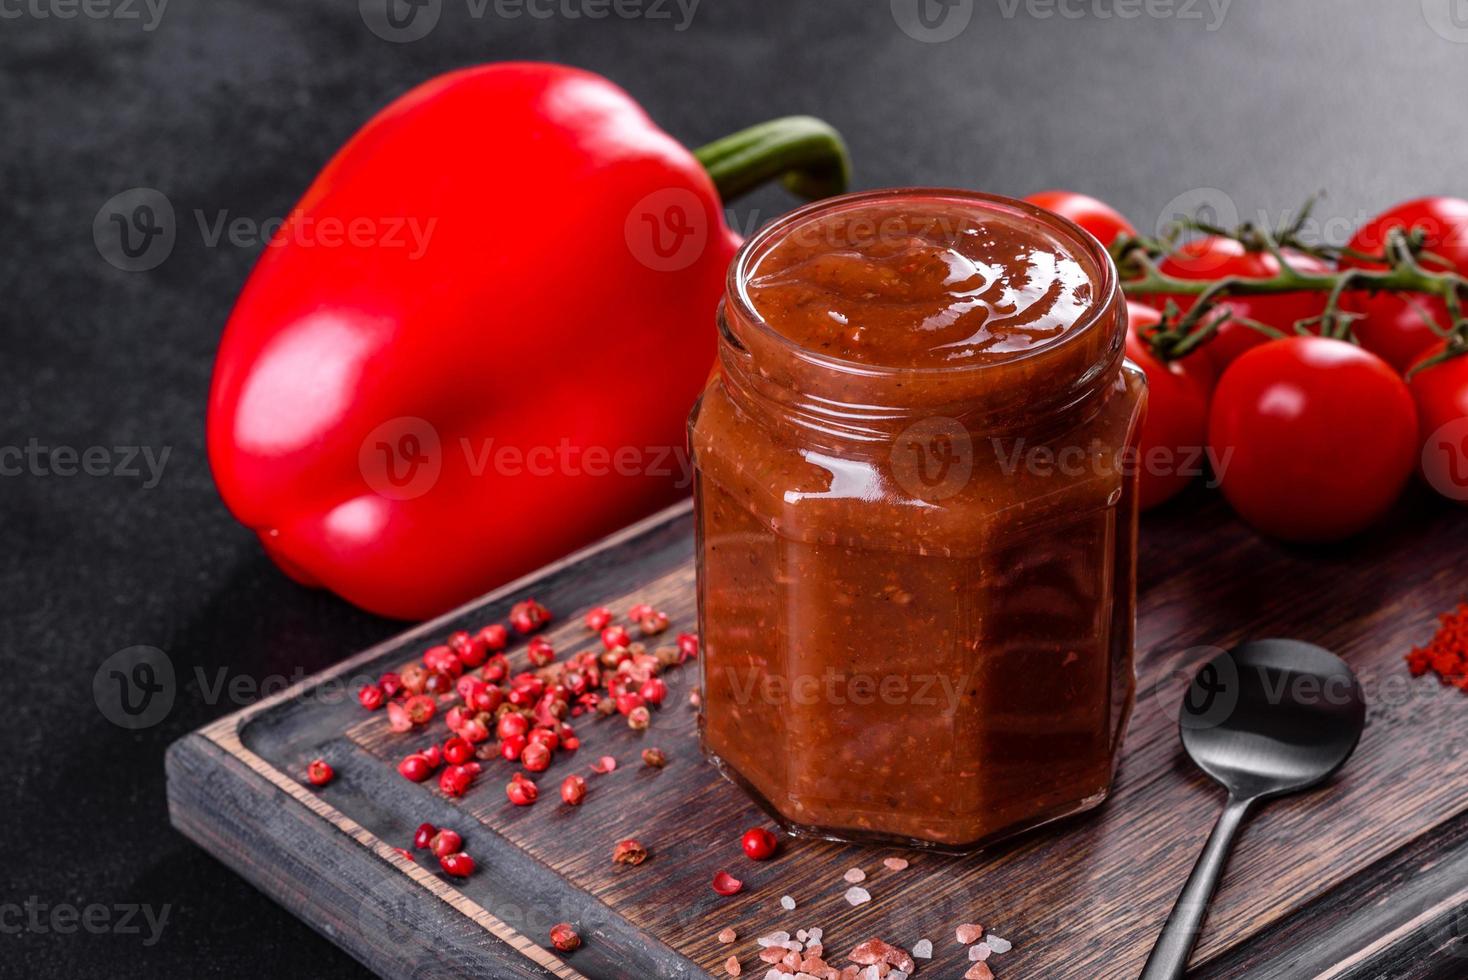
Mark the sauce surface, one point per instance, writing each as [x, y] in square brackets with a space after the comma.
[936, 282]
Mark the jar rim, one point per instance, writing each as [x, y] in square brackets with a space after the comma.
[1107, 286]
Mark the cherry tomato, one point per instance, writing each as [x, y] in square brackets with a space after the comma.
[1097, 217]
[1214, 257]
[1394, 326]
[1175, 428]
[1441, 393]
[1314, 438]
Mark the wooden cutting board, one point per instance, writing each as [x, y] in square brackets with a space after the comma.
[1366, 877]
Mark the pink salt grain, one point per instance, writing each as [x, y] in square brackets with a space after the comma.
[855, 876]
[728, 936]
[732, 967]
[895, 864]
[970, 932]
[882, 956]
[979, 971]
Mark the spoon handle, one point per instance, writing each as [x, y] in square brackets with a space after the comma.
[1170, 956]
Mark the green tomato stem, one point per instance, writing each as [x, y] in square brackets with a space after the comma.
[1403, 275]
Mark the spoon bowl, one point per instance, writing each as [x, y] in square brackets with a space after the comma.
[1272, 717]
[1266, 718]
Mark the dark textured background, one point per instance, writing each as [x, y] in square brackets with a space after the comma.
[232, 105]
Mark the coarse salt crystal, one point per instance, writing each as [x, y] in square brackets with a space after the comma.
[873, 972]
[979, 952]
[774, 939]
[923, 949]
[895, 864]
[727, 936]
[998, 945]
[897, 975]
[731, 966]
[856, 876]
[969, 932]
[774, 974]
[857, 895]
[815, 934]
[802, 935]
[788, 904]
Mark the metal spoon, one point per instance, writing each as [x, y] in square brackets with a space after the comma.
[1267, 718]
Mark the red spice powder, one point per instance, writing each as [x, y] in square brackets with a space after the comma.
[1447, 654]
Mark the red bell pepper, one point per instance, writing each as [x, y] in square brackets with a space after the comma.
[473, 344]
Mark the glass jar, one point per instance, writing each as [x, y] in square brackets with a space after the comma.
[916, 560]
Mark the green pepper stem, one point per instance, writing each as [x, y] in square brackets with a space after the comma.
[807, 155]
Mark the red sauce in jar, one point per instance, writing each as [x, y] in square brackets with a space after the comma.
[916, 528]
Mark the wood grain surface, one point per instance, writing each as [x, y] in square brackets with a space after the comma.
[1365, 877]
